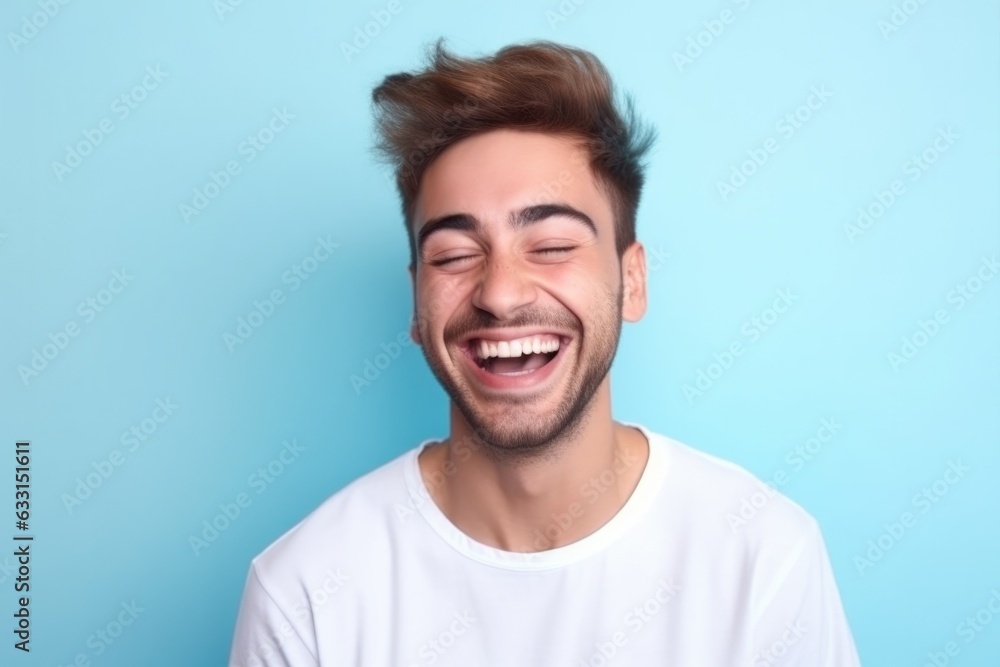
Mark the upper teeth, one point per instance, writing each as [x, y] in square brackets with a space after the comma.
[515, 348]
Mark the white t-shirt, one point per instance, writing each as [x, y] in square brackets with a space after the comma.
[378, 576]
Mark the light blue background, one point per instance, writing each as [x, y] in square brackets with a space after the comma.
[722, 263]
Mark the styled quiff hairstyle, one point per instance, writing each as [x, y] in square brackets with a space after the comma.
[540, 86]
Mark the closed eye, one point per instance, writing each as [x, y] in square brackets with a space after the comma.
[545, 252]
[553, 251]
[448, 260]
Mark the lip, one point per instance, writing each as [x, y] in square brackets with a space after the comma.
[513, 382]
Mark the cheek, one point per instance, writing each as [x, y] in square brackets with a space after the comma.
[438, 297]
[576, 284]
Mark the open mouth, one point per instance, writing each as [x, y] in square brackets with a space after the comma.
[514, 358]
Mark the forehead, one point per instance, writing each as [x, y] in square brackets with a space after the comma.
[490, 174]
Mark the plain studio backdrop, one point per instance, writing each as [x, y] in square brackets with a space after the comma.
[205, 297]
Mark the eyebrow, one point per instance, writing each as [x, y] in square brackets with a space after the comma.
[517, 220]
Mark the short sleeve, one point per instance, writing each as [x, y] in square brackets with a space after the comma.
[264, 636]
[798, 615]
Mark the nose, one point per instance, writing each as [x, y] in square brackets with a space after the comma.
[503, 288]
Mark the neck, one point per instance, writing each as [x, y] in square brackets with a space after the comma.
[552, 498]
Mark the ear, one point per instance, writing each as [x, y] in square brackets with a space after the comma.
[414, 329]
[634, 283]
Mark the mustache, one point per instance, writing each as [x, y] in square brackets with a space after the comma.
[476, 320]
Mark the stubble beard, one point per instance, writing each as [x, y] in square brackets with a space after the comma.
[518, 434]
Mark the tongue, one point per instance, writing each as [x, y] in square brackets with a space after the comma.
[529, 362]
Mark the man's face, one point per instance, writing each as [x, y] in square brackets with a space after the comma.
[517, 285]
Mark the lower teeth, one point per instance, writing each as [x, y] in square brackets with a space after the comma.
[485, 365]
[516, 373]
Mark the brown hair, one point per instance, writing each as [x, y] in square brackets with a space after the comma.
[540, 86]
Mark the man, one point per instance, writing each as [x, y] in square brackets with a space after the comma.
[540, 532]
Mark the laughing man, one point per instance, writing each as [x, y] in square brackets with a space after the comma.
[540, 532]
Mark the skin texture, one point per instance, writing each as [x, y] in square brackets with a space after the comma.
[516, 456]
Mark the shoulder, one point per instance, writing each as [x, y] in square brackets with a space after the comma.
[733, 526]
[343, 534]
[725, 499]
[744, 541]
